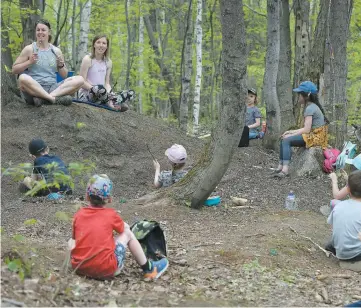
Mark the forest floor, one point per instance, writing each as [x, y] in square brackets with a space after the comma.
[219, 256]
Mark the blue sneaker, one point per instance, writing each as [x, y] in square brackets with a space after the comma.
[158, 268]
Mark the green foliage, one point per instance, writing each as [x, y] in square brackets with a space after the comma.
[19, 238]
[16, 264]
[30, 222]
[62, 216]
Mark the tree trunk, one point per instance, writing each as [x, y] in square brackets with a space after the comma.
[30, 12]
[197, 88]
[270, 96]
[73, 37]
[84, 30]
[129, 43]
[141, 60]
[316, 55]
[165, 71]
[187, 71]
[209, 170]
[284, 90]
[302, 46]
[335, 103]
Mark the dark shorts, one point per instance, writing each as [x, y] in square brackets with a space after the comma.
[48, 88]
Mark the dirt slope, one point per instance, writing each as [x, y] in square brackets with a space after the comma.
[218, 256]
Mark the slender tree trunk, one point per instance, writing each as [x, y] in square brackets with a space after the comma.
[187, 71]
[197, 88]
[302, 45]
[141, 60]
[270, 77]
[335, 103]
[73, 37]
[284, 90]
[213, 58]
[129, 43]
[165, 70]
[84, 30]
[30, 12]
[209, 170]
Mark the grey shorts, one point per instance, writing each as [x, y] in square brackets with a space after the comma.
[48, 88]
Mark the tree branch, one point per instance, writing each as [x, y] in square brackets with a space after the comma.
[254, 11]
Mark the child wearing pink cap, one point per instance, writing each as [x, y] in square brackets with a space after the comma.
[177, 156]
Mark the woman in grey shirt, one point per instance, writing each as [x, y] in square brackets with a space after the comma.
[313, 133]
[37, 66]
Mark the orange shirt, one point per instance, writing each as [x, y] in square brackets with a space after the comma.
[93, 234]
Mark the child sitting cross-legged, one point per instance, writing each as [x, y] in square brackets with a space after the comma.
[346, 223]
[97, 253]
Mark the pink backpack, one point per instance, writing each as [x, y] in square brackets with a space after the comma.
[330, 159]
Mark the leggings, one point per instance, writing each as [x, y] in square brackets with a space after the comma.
[285, 147]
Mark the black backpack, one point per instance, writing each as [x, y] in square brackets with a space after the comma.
[151, 237]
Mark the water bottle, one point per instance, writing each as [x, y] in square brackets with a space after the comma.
[290, 203]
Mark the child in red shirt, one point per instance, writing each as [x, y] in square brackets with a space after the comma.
[97, 253]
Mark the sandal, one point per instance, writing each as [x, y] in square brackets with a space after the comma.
[281, 175]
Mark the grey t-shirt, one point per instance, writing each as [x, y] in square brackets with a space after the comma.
[345, 219]
[318, 119]
[251, 115]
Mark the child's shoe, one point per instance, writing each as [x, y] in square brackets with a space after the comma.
[158, 268]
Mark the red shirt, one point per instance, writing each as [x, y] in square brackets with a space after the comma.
[93, 233]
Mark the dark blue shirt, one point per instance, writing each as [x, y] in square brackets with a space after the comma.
[47, 165]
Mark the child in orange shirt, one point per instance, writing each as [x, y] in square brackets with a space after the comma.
[97, 253]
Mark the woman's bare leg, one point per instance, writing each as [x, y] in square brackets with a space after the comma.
[29, 85]
[69, 86]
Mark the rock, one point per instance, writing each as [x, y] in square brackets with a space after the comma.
[31, 284]
[307, 162]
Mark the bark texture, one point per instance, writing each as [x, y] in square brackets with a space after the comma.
[335, 102]
[197, 89]
[302, 47]
[30, 12]
[213, 164]
[187, 71]
[270, 96]
[284, 90]
[84, 30]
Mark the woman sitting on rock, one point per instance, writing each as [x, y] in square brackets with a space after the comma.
[37, 66]
[95, 69]
[314, 132]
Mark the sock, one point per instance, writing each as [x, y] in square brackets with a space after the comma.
[147, 266]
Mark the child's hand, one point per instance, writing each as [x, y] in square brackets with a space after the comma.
[344, 174]
[333, 177]
[286, 133]
[156, 165]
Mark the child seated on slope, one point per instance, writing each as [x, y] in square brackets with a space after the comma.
[46, 168]
[97, 253]
[346, 223]
[177, 156]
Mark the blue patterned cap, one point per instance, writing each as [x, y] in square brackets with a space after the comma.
[307, 87]
[100, 185]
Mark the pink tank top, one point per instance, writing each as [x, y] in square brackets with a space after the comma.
[97, 72]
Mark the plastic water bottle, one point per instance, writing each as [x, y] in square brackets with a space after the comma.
[290, 203]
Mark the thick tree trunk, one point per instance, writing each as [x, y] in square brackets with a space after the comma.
[141, 61]
[30, 12]
[73, 37]
[209, 170]
[84, 30]
[270, 77]
[187, 71]
[197, 89]
[284, 91]
[302, 45]
[335, 103]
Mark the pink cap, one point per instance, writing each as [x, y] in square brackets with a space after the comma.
[176, 154]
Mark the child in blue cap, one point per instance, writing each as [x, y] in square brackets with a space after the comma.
[313, 133]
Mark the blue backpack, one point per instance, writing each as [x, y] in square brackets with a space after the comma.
[348, 153]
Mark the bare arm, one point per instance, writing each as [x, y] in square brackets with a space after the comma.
[107, 76]
[304, 130]
[157, 184]
[254, 125]
[338, 194]
[24, 60]
[84, 67]
[62, 70]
